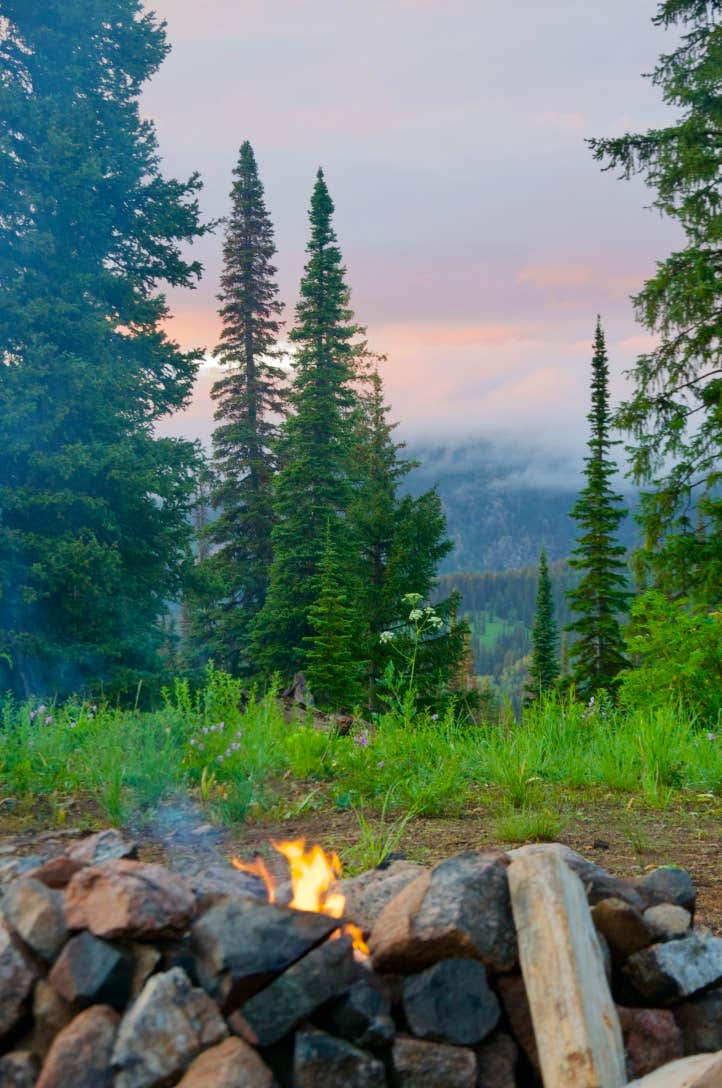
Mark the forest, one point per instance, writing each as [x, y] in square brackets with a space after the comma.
[157, 599]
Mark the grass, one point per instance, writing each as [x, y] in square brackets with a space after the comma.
[244, 762]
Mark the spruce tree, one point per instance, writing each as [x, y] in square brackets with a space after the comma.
[335, 671]
[250, 400]
[673, 415]
[94, 508]
[544, 667]
[314, 486]
[597, 654]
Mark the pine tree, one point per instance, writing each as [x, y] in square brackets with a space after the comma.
[334, 670]
[673, 416]
[597, 655]
[544, 667]
[314, 486]
[93, 507]
[250, 400]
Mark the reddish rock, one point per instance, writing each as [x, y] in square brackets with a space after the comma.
[496, 1060]
[108, 845]
[418, 1064]
[623, 928]
[651, 1039]
[92, 972]
[163, 1031]
[18, 1069]
[230, 1064]
[17, 976]
[461, 909]
[80, 1054]
[320, 1059]
[36, 914]
[516, 1006]
[57, 872]
[700, 1021]
[129, 899]
[51, 1013]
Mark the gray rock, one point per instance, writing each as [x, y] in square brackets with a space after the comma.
[319, 1059]
[163, 1030]
[700, 1021]
[667, 921]
[361, 1015]
[418, 1064]
[451, 1003]
[92, 972]
[18, 1069]
[298, 992]
[17, 976]
[598, 883]
[105, 846]
[368, 894]
[669, 884]
[240, 945]
[37, 915]
[676, 969]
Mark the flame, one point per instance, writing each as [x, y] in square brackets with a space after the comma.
[312, 874]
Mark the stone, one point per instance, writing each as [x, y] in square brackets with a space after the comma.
[623, 927]
[362, 1015]
[80, 1054]
[18, 1069]
[577, 1031]
[92, 972]
[35, 912]
[651, 1039]
[668, 884]
[145, 960]
[367, 894]
[108, 845]
[57, 872]
[516, 1008]
[297, 993]
[667, 921]
[51, 1013]
[129, 899]
[230, 1064]
[240, 945]
[700, 1021]
[598, 883]
[164, 1029]
[699, 1071]
[497, 1059]
[319, 1059]
[676, 969]
[17, 976]
[451, 1003]
[419, 1064]
[458, 910]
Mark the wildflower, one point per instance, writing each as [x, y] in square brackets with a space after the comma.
[204, 730]
[42, 708]
[73, 725]
[93, 708]
[201, 747]
[434, 717]
[193, 742]
[436, 621]
[235, 747]
[31, 744]
[415, 614]
[362, 739]
[221, 725]
[32, 714]
[48, 719]
[386, 636]
[219, 759]
[711, 736]
[411, 598]
[239, 735]
[380, 763]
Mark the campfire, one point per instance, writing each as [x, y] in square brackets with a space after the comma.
[313, 875]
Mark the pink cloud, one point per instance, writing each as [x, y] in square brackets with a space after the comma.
[556, 275]
[454, 336]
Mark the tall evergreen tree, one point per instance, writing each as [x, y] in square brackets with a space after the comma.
[250, 399]
[93, 507]
[314, 486]
[673, 417]
[597, 655]
[544, 667]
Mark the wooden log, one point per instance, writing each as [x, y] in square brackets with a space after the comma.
[575, 1022]
[697, 1071]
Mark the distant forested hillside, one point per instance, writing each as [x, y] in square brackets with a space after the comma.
[503, 506]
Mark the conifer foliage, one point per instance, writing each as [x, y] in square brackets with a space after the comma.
[94, 508]
[597, 654]
[250, 400]
[313, 489]
[544, 667]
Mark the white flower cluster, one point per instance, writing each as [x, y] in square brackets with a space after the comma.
[386, 636]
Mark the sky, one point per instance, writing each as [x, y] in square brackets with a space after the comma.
[481, 238]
